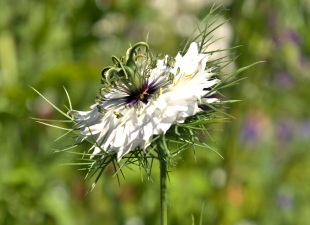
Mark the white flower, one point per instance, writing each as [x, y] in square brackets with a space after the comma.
[145, 99]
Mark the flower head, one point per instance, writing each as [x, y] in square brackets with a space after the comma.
[153, 107]
[143, 96]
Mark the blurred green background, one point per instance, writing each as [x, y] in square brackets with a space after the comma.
[264, 178]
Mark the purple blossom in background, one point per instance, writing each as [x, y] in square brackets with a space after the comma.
[285, 200]
[284, 129]
[304, 129]
[284, 80]
[254, 127]
[303, 60]
[250, 130]
[294, 37]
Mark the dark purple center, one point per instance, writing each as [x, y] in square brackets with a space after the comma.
[142, 94]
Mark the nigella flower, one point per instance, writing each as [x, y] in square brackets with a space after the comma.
[152, 107]
[143, 96]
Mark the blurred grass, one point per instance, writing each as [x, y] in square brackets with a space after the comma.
[264, 178]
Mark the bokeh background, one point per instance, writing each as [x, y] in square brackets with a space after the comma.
[264, 177]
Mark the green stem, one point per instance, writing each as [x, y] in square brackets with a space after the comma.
[163, 188]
